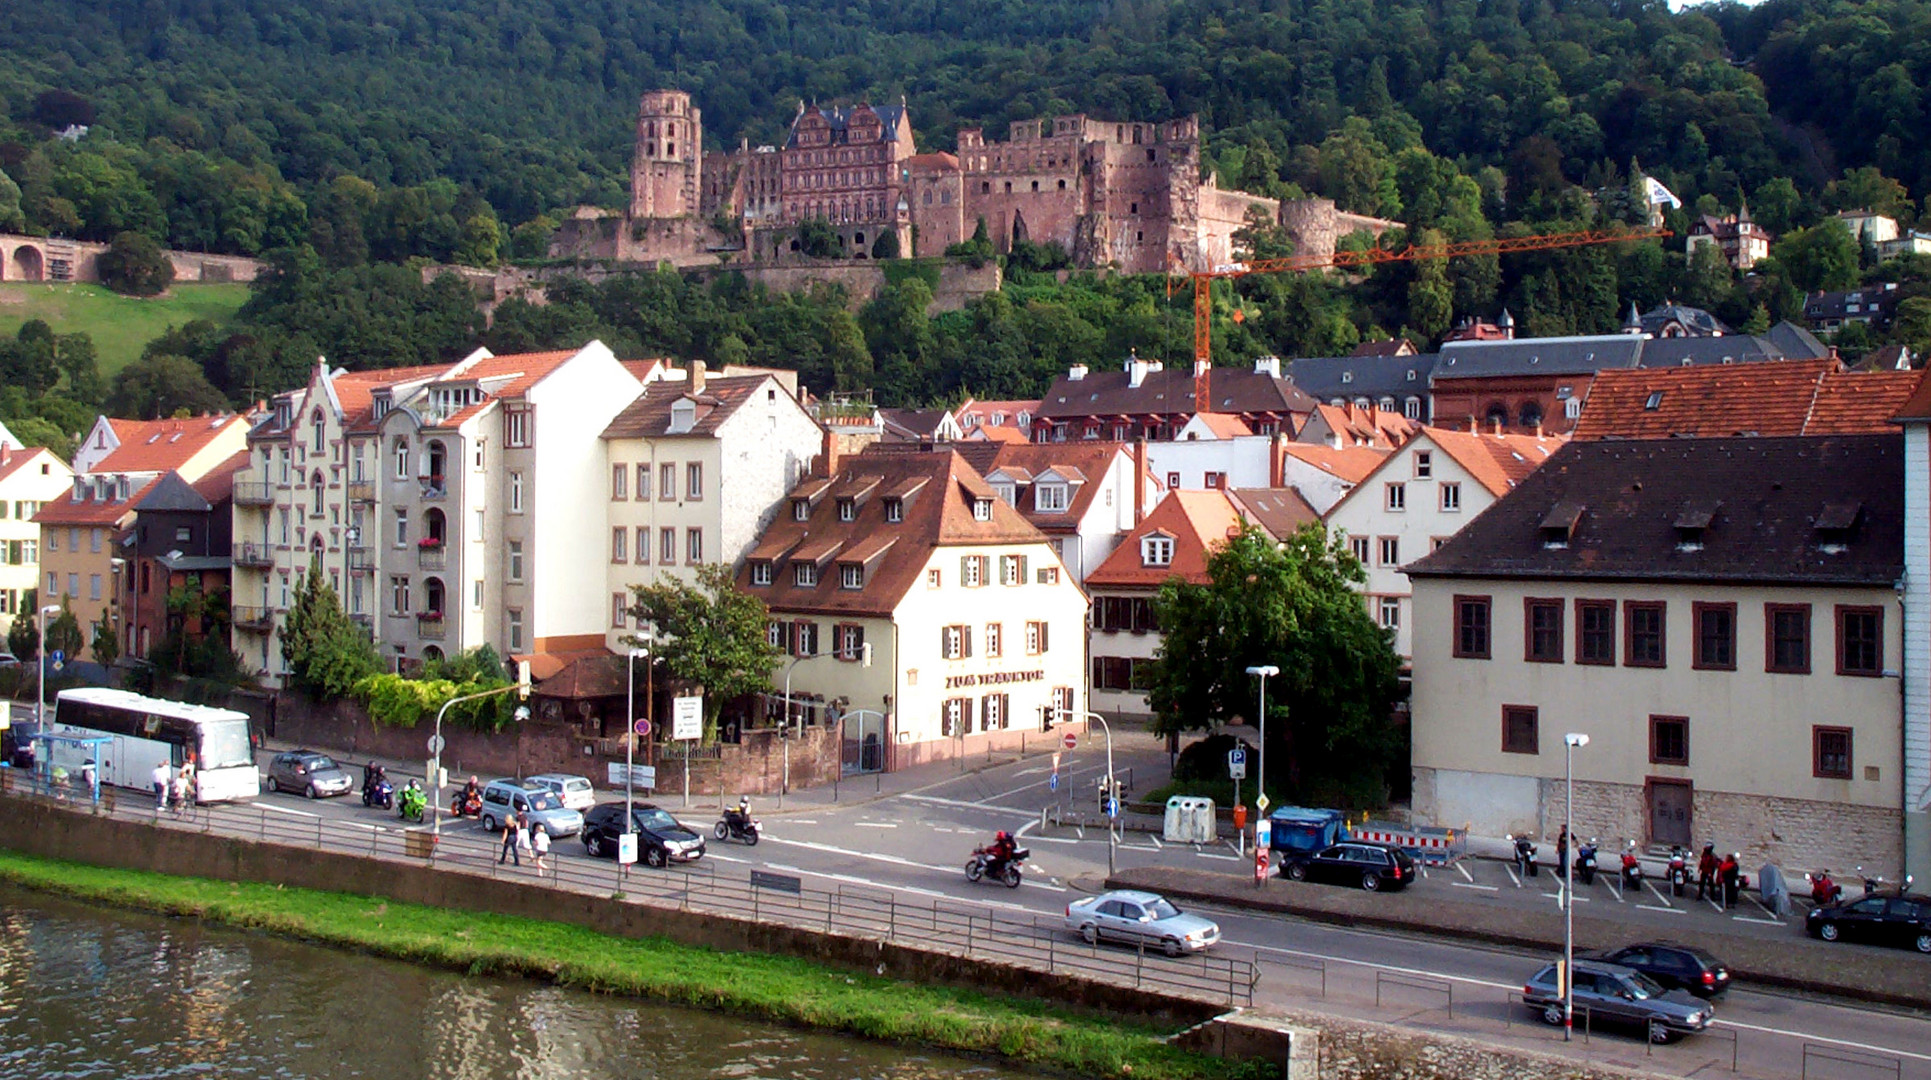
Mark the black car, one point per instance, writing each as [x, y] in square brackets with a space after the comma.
[17, 743]
[1608, 995]
[1355, 862]
[661, 838]
[1678, 967]
[1892, 919]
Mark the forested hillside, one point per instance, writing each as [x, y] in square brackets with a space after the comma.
[346, 133]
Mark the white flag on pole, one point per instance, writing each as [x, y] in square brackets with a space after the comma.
[1658, 194]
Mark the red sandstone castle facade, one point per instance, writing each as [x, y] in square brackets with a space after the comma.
[1121, 194]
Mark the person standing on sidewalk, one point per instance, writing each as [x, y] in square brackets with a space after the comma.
[1731, 872]
[540, 844]
[160, 780]
[1706, 871]
[509, 843]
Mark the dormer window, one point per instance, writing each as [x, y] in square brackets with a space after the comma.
[683, 416]
[1007, 491]
[1049, 498]
[847, 509]
[851, 576]
[804, 575]
[981, 509]
[761, 573]
[800, 509]
[1834, 525]
[1559, 526]
[894, 510]
[1691, 522]
[1156, 549]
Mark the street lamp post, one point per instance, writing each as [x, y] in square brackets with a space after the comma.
[1569, 744]
[1111, 838]
[630, 736]
[40, 688]
[351, 536]
[1260, 785]
[784, 787]
[521, 686]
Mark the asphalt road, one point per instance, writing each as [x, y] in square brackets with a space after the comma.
[914, 843]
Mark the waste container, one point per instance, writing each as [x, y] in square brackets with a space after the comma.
[418, 843]
[1189, 820]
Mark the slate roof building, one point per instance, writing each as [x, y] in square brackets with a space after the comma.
[1397, 384]
[1874, 307]
[1719, 615]
[1143, 400]
[924, 613]
[181, 539]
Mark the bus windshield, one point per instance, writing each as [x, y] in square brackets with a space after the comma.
[224, 745]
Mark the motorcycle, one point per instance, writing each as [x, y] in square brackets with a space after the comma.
[1524, 856]
[1632, 870]
[1586, 862]
[1679, 872]
[466, 805]
[382, 793]
[411, 804]
[733, 826]
[1823, 891]
[985, 864]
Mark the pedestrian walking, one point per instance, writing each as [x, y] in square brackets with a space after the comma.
[509, 843]
[1706, 872]
[539, 843]
[1562, 853]
[178, 798]
[160, 780]
[522, 834]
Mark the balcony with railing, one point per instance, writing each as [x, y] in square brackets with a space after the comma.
[432, 557]
[362, 491]
[256, 620]
[434, 488]
[361, 559]
[254, 493]
[257, 556]
[429, 625]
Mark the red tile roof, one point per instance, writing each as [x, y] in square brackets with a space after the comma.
[938, 488]
[649, 416]
[1195, 520]
[162, 445]
[1280, 511]
[1093, 461]
[1358, 426]
[1768, 398]
[218, 484]
[1497, 462]
[1352, 463]
[1918, 405]
[19, 459]
[65, 511]
[523, 369]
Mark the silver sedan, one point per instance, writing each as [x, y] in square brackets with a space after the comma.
[1140, 918]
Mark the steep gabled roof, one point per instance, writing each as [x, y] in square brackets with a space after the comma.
[1860, 402]
[66, 510]
[1195, 520]
[938, 490]
[1092, 460]
[217, 485]
[1497, 462]
[1772, 398]
[19, 460]
[1350, 463]
[1280, 511]
[1800, 510]
[649, 417]
[163, 445]
[170, 493]
[1170, 393]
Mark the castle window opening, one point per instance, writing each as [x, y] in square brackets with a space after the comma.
[1062, 185]
[985, 187]
[1008, 187]
[670, 149]
[1035, 185]
[1133, 208]
[1150, 156]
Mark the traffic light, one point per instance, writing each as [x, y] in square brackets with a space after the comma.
[1045, 718]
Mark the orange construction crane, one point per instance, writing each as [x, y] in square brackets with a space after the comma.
[1203, 354]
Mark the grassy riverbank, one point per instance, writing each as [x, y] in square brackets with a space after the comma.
[765, 987]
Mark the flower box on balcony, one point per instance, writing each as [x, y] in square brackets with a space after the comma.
[430, 542]
[429, 616]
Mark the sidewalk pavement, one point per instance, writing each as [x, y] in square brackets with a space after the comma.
[1865, 973]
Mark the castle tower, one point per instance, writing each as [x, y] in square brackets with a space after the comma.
[666, 173]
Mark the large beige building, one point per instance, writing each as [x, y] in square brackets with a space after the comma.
[922, 612]
[1719, 616]
[28, 477]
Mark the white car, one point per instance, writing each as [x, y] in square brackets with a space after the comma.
[1140, 918]
[574, 792]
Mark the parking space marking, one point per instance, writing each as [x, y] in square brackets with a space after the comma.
[1754, 919]
[1156, 841]
[1653, 907]
[1664, 900]
[1216, 855]
[876, 824]
[1473, 885]
[1465, 874]
[1512, 876]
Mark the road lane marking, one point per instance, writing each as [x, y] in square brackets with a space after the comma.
[1473, 885]
[1846, 1043]
[1156, 841]
[1217, 855]
[1513, 877]
[1653, 907]
[1068, 773]
[1754, 919]
[966, 804]
[288, 810]
[878, 825]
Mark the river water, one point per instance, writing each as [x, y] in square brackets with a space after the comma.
[86, 992]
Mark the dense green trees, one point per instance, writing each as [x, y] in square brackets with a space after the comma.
[135, 264]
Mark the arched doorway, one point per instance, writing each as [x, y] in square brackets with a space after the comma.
[432, 596]
[437, 467]
[435, 528]
[27, 264]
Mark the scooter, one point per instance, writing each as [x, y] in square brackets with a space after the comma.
[985, 864]
[1679, 872]
[1586, 862]
[411, 804]
[1632, 870]
[1524, 855]
[382, 793]
[470, 805]
[733, 826]
[1823, 891]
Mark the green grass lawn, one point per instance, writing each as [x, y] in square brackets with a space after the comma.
[120, 325]
[783, 989]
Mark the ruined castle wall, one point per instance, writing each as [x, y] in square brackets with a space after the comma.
[666, 175]
[937, 199]
[1223, 213]
[1033, 182]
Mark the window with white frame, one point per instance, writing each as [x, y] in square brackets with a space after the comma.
[804, 574]
[516, 493]
[643, 483]
[972, 571]
[1036, 640]
[619, 482]
[516, 428]
[1012, 569]
[851, 575]
[667, 546]
[1156, 549]
[619, 611]
[693, 546]
[667, 482]
[955, 642]
[1358, 547]
[1424, 464]
[400, 454]
[1049, 498]
[1389, 613]
[995, 646]
[476, 594]
[398, 594]
[516, 560]
[619, 544]
[848, 641]
[694, 481]
[804, 638]
[402, 527]
[1451, 497]
[1396, 496]
[1391, 551]
[847, 509]
[894, 510]
[981, 509]
[761, 573]
[515, 619]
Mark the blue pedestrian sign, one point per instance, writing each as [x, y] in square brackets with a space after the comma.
[1112, 808]
[57, 658]
[1053, 784]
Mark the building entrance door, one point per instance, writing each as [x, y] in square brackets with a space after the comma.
[1669, 812]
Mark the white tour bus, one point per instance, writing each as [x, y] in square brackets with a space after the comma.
[147, 731]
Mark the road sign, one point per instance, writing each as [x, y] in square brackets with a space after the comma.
[627, 848]
[687, 717]
[1052, 782]
[1055, 761]
[1070, 740]
[1261, 804]
[1237, 764]
[59, 659]
[1112, 808]
[643, 776]
[435, 744]
[642, 725]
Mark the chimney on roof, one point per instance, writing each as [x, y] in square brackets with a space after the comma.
[697, 376]
[1277, 462]
[1076, 373]
[1496, 423]
[828, 459]
[1268, 365]
[1538, 428]
[6, 453]
[1136, 369]
[1139, 479]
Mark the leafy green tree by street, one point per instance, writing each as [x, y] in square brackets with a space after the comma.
[1293, 605]
[64, 634]
[327, 653]
[106, 645]
[23, 633]
[711, 634]
[136, 265]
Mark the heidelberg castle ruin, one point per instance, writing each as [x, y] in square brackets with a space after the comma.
[1127, 195]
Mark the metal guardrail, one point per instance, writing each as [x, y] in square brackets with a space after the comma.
[1029, 941]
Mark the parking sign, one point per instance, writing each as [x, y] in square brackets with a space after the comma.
[1237, 763]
